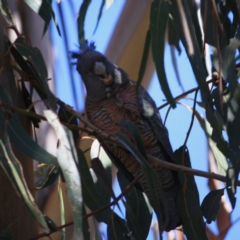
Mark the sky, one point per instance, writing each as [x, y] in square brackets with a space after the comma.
[176, 121]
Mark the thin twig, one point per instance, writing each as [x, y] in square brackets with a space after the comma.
[191, 124]
[186, 93]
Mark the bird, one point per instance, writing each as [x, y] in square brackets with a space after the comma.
[111, 97]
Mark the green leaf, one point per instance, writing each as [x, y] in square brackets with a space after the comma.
[99, 15]
[81, 19]
[144, 60]
[211, 31]
[158, 22]
[197, 63]
[231, 184]
[31, 61]
[154, 186]
[67, 159]
[91, 196]
[218, 145]
[211, 204]
[14, 171]
[190, 212]
[173, 38]
[233, 130]
[193, 7]
[182, 158]
[104, 182]
[102, 167]
[44, 10]
[19, 137]
[188, 203]
[138, 211]
[6, 12]
[116, 228]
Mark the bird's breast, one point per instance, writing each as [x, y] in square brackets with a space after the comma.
[106, 114]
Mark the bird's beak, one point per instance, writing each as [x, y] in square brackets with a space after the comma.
[100, 70]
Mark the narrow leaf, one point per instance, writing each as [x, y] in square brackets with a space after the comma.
[144, 60]
[14, 171]
[19, 137]
[116, 228]
[91, 197]
[6, 12]
[182, 157]
[67, 159]
[210, 205]
[158, 23]
[31, 61]
[233, 130]
[99, 15]
[138, 211]
[81, 19]
[191, 215]
[45, 11]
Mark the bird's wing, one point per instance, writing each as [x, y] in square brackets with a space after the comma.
[151, 115]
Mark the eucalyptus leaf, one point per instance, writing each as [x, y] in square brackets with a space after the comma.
[19, 137]
[189, 209]
[117, 230]
[158, 22]
[67, 159]
[5, 12]
[14, 171]
[138, 210]
[99, 14]
[44, 9]
[143, 64]
[31, 61]
[219, 151]
[81, 19]
[91, 196]
[182, 158]
[211, 204]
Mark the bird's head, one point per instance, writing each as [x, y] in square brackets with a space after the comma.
[101, 77]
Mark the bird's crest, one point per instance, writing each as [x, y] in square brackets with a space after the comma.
[84, 47]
